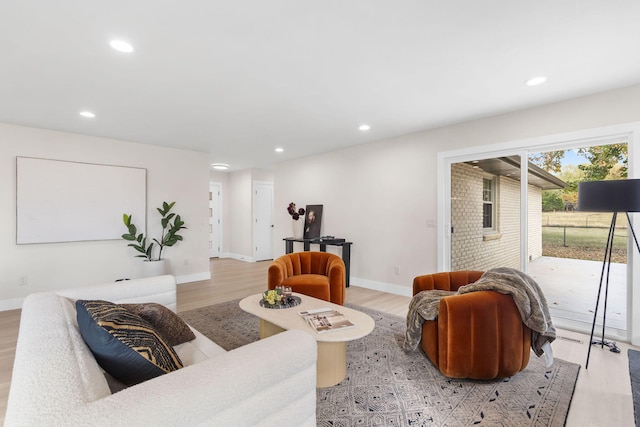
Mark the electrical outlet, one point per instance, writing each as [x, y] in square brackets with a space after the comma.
[22, 281]
[396, 270]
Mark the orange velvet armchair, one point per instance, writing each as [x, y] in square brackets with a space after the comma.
[318, 274]
[478, 335]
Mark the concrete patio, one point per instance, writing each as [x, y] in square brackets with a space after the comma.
[571, 289]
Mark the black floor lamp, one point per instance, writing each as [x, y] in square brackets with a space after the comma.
[608, 196]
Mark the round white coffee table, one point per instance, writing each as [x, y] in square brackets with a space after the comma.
[332, 346]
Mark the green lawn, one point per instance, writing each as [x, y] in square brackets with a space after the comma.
[581, 235]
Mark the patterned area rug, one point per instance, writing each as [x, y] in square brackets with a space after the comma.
[634, 374]
[387, 387]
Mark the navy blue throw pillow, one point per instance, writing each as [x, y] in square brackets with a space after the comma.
[124, 344]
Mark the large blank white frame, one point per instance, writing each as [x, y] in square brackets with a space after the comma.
[65, 201]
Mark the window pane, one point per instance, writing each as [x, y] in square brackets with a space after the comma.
[487, 190]
[487, 215]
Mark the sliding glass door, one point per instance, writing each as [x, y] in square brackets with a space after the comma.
[495, 212]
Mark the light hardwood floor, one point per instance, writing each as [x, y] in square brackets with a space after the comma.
[602, 396]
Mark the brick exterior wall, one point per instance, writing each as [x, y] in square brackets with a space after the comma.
[471, 249]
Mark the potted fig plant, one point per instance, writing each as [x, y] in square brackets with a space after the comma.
[171, 225]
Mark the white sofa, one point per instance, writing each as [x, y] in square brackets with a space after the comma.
[56, 380]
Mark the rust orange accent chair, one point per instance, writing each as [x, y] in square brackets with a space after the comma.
[478, 335]
[318, 274]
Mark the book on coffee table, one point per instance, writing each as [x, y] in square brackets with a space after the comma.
[326, 320]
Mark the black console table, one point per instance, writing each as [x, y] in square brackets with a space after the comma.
[346, 249]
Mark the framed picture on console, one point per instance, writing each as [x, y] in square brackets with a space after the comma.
[312, 221]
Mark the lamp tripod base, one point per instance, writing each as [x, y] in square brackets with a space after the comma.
[609, 344]
[606, 266]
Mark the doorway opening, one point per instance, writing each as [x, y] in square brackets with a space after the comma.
[573, 242]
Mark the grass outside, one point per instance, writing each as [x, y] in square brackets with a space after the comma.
[582, 235]
[582, 219]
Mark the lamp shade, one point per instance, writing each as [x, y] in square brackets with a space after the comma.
[609, 196]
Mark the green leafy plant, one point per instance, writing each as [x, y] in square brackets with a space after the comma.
[169, 236]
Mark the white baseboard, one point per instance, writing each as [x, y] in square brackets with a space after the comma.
[612, 334]
[381, 286]
[238, 257]
[195, 277]
[241, 257]
[16, 303]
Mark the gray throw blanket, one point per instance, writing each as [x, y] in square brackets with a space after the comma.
[526, 293]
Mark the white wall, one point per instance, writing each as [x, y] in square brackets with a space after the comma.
[382, 195]
[172, 175]
[376, 195]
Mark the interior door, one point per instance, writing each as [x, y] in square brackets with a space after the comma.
[263, 221]
[215, 222]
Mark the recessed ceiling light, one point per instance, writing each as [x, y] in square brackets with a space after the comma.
[87, 114]
[534, 81]
[220, 166]
[121, 46]
[364, 127]
[279, 150]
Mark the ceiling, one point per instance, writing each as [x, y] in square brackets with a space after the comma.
[238, 78]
